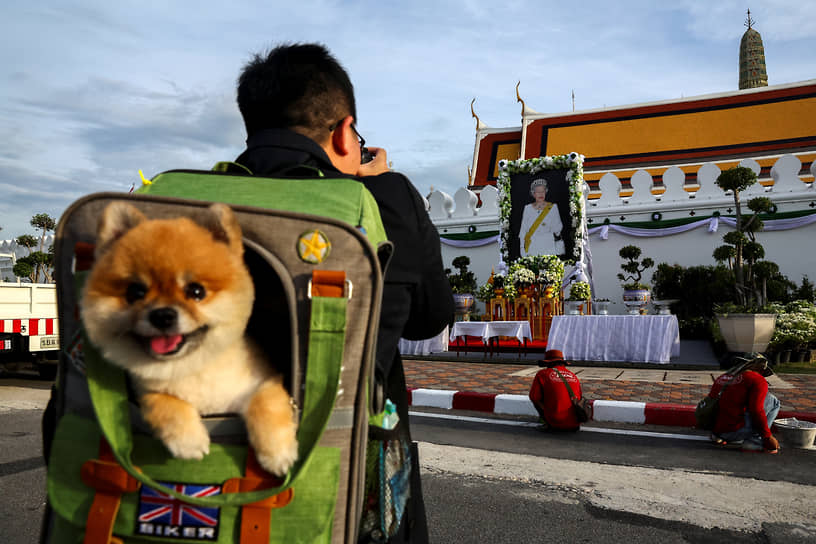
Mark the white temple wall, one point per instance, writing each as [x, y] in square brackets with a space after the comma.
[695, 247]
[794, 250]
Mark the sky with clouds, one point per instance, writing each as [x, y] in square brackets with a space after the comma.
[93, 91]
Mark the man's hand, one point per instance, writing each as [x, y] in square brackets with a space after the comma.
[376, 166]
[770, 444]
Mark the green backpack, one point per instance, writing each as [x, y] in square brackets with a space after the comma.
[108, 476]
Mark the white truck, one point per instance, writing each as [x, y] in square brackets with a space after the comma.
[29, 331]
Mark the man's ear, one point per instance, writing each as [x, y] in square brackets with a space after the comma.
[342, 139]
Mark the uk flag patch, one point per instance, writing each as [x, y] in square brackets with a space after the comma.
[168, 517]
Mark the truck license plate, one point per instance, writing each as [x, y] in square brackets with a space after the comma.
[49, 341]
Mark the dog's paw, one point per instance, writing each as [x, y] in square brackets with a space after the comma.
[177, 424]
[278, 457]
[191, 442]
[271, 421]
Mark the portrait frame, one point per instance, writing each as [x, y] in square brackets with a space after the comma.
[570, 197]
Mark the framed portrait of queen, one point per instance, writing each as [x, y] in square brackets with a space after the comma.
[541, 207]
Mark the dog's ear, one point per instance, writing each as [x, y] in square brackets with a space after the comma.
[118, 218]
[224, 226]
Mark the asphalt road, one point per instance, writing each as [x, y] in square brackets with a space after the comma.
[512, 483]
[489, 482]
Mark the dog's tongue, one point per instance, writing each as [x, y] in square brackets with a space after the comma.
[165, 344]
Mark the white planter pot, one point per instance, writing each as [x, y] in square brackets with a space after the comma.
[747, 333]
[573, 307]
[635, 300]
[601, 307]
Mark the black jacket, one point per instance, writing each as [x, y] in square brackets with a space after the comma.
[417, 300]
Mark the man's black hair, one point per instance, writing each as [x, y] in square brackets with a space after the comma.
[295, 86]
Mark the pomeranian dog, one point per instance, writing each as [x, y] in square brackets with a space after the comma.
[169, 300]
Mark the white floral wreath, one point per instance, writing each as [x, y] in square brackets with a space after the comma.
[574, 163]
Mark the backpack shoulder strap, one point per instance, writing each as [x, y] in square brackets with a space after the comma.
[569, 389]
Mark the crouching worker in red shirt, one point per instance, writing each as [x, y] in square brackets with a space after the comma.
[550, 396]
[746, 408]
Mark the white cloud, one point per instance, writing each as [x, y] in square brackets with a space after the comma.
[101, 90]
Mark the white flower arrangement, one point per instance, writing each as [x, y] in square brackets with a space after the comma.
[574, 163]
[522, 276]
[795, 326]
[580, 290]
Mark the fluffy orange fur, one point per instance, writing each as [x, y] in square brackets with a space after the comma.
[169, 301]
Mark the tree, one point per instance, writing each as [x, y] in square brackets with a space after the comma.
[806, 291]
[42, 262]
[45, 223]
[27, 241]
[725, 254]
[24, 268]
[633, 267]
[746, 250]
[465, 280]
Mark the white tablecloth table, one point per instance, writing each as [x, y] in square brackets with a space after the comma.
[620, 338]
[437, 344]
[488, 330]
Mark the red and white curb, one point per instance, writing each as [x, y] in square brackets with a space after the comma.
[647, 413]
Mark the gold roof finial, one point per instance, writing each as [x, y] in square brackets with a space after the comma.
[473, 113]
[518, 98]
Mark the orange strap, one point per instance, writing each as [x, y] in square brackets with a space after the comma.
[110, 481]
[328, 283]
[256, 516]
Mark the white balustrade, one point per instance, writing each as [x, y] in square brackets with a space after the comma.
[490, 202]
[674, 180]
[786, 175]
[465, 201]
[707, 180]
[752, 164]
[642, 184]
[441, 205]
[610, 187]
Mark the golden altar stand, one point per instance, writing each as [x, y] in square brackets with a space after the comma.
[532, 306]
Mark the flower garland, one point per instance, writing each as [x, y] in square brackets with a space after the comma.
[574, 163]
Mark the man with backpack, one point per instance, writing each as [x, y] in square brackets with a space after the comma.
[746, 408]
[298, 107]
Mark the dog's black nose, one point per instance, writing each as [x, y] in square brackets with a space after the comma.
[163, 318]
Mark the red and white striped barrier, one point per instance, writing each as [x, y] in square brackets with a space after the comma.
[30, 327]
[646, 413]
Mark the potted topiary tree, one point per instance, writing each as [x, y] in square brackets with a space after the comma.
[635, 293]
[745, 326]
[463, 285]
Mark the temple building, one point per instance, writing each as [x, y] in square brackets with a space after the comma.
[648, 166]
